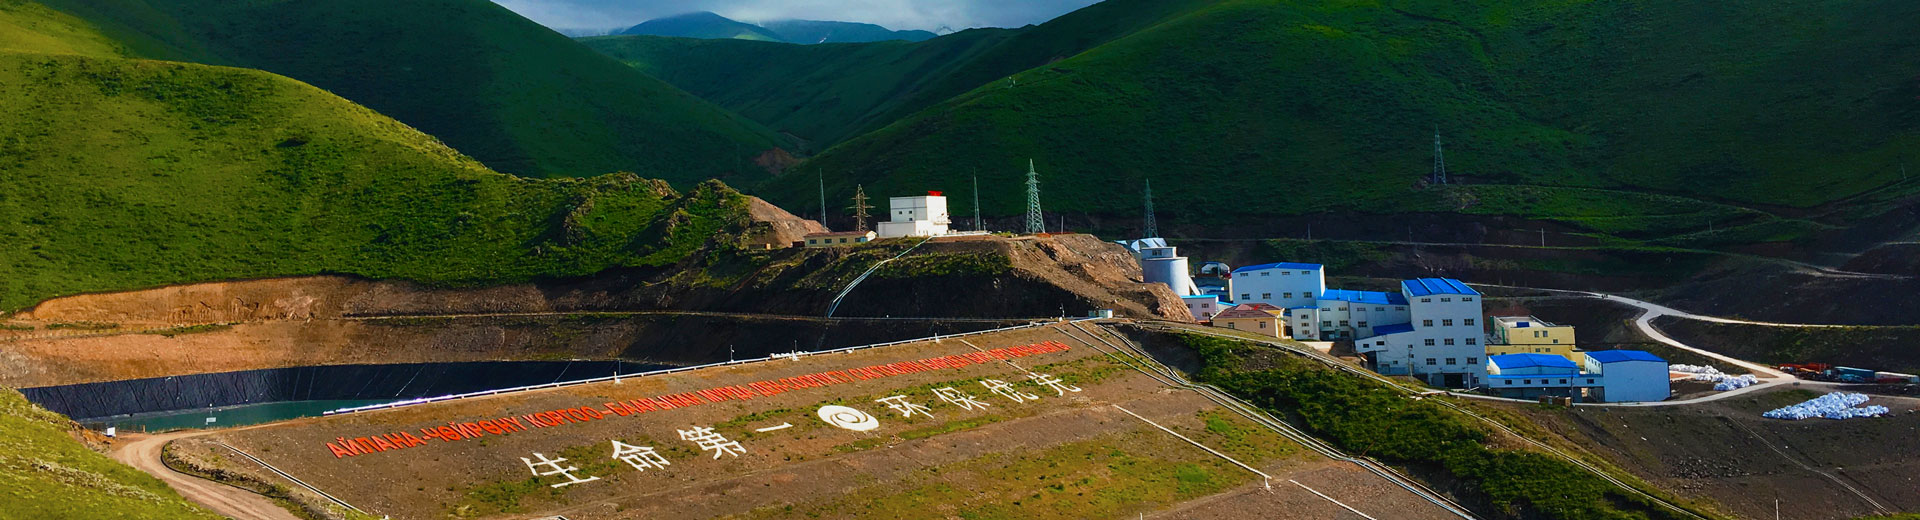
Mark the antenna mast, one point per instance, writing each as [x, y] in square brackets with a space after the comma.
[1036, 223]
[1153, 228]
[860, 207]
[1439, 159]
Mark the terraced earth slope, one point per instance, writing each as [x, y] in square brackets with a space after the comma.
[516, 96]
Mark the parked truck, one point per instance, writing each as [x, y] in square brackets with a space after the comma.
[1852, 375]
[1894, 378]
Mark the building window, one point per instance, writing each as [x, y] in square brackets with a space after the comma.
[1473, 361]
[1286, 295]
[1379, 309]
[1473, 341]
[1449, 341]
[1381, 343]
[1363, 324]
[1446, 323]
[1468, 322]
[1327, 323]
[1556, 342]
[1263, 324]
[1589, 381]
[1444, 300]
[1430, 362]
[1245, 296]
[1563, 381]
[1264, 273]
[1527, 382]
[1400, 307]
[1343, 323]
[1303, 272]
[1230, 325]
[1466, 298]
[1429, 342]
[1450, 361]
[1326, 309]
[1426, 300]
[1426, 323]
[813, 240]
[1266, 296]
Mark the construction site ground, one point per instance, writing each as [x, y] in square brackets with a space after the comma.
[1060, 455]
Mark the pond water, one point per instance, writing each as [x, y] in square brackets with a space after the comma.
[226, 416]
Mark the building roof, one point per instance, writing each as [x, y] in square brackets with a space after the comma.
[1260, 306]
[1427, 286]
[1279, 265]
[1137, 244]
[1374, 297]
[1214, 296]
[1616, 356]
[1394, 328]
[839, 234]
[1247, 310]
[1513, 361]
[1522, 322]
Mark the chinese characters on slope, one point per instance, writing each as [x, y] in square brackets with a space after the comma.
[343, 447]
[643, 458]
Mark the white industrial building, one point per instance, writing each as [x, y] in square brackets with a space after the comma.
[1339, 314]
[919, 216]
[1610, 376]
[1284, 284]
[1202, 306]
[1440, 342]
[1629, 375]
[1165, 265]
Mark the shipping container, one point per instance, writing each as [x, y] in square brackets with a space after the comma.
[1860, 375]
[1895, 377]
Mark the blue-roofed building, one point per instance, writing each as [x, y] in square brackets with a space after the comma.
[1630, 375]
[1202, 306]
[1280, 284]
[1432, 286]
[1340, 314]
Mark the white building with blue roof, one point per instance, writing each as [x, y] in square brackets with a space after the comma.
[1280, 284]
[1442, 340]
[1629, 375]
[1339, 314]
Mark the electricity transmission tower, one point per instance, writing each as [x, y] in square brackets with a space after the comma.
[1153, 228]
[976, 202]
[860, 207]
[1036, 223]
[1439, 159]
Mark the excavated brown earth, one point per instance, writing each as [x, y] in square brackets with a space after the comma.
[1059, 456]
[1724, 452]
[325, 319]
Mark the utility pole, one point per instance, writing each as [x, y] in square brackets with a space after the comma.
[860, 207]
[823, 196]
[1153, 227]
[1036, 222]
[1543, 237]
[976, 202]
[1439, 159]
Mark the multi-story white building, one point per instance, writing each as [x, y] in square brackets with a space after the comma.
[921, 216]
[1202, 306]
[1441, 341]
[1284, 284]
[1342, 314]
[1629, 375]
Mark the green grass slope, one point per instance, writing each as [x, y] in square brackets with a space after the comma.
[832, 92]
[518, 97]
[46, 473]
[818, 31]
[119, 173]
[1252, 107]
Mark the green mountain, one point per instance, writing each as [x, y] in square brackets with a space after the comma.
[829, 93]
[702, 25]
[47, 473]
[1642, 119]
[119, 173]
[816, 31]
[518, 97]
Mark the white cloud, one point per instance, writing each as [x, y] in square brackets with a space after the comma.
[894, 14]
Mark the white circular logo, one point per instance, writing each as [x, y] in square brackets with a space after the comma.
[848, 418]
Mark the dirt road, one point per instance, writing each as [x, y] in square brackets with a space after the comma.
[143, 453]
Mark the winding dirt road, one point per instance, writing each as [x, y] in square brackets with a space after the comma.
[143, 452]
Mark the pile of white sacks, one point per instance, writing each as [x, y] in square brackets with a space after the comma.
[1837, 405]
[1721, 381]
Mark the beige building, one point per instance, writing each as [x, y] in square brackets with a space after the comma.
[838, 238]
[1530, 335]
[1258, 318]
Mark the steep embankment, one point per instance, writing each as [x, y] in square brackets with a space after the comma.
[1333, 108]
[519, 97]
[743, 304]
[48, 471]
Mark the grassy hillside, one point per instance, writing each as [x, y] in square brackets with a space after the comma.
[829, 93]
[119, 173]
[502, 89]
[817, 31]
[1275, 107]
[46, 473]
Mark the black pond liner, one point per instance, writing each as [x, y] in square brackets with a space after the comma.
[90, 401]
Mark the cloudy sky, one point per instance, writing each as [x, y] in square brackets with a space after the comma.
[894, 14]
